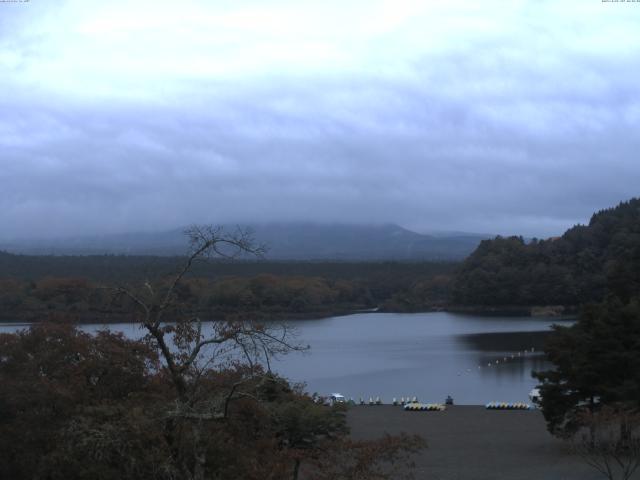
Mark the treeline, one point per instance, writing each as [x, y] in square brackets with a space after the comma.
[583, 265]
[208, 292]
[263, 295]
[130, 268]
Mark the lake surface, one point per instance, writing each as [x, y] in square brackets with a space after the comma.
[475, 359]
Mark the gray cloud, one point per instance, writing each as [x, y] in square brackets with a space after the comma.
[522, 127]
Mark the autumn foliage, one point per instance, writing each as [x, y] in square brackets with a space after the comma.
[80, 406]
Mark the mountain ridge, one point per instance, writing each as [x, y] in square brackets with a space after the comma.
[284, 241]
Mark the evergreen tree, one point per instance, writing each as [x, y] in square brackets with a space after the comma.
[597, 363]
[583, 265]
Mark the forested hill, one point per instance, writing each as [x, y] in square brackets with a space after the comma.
[583, 265]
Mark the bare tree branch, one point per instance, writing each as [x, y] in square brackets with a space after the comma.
[256, 343]
[610, 441]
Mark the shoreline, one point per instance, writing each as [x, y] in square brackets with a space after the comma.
[550, 311]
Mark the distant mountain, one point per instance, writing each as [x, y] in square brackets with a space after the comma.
[284, 241]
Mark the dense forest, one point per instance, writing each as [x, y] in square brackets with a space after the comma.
[34, 287]
[581, 266]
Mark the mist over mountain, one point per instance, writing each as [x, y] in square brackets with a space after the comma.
[283, 241]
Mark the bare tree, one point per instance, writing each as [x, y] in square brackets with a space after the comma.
[189, 348]
[610, 441]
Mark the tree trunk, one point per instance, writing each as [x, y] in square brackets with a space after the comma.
[199, 453]
[296, 469]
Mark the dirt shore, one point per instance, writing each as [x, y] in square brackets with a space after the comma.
[472, 443]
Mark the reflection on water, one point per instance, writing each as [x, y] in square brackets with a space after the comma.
[509, 355]
[429, 355]
[505, 340]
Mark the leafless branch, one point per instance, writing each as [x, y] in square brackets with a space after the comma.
[610, 441]
[182, 342]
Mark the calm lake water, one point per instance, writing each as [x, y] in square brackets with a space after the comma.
[428, 355]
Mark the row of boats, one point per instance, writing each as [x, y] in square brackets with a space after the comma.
[409, 403]
[507, 406]
[412, 403]
[425, 407]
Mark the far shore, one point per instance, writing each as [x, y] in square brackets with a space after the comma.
[515, 310]
[548, 311]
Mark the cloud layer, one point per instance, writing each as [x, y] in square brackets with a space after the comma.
[435, 115]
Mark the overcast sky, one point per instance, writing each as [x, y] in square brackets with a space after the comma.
[499, 117]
